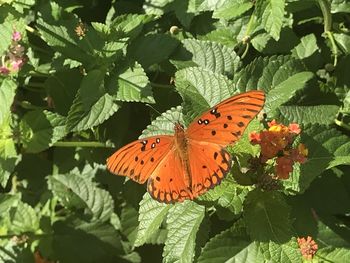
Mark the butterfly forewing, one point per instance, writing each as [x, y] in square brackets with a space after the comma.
[139, 159]
[225, 123]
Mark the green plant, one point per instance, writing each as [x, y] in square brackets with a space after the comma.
[76, 82]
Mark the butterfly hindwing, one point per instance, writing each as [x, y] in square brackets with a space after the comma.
[209, 164]
[140, 158]
[169, 182]
[225, 123]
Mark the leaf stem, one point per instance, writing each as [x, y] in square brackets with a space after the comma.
[342, 124]
[94, 144]
[157, 85]
[327, 20]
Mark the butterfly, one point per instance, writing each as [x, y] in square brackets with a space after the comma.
[193, 160]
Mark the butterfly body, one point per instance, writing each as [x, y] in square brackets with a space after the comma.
[193, 160]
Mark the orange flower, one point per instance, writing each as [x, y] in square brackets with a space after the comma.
[254, 137]
[276, 142]
[308, 247]
[294, 128]
[284, 166]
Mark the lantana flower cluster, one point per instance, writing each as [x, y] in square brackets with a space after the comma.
[14, 58]
[308, 247]
[276, 144]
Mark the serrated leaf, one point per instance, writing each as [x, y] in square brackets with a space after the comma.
[130, 24]
[129, 222]
[286, 89]
[156, 7]
[85, 242]
[196, 87]
[151, 215]
[228, 194]
[224, 246]
[23, 218]
[271, 13]
[327, 148]
[152, 49]
[76, 192]
[279, 76]
[62, 87]
[288, 252]
[343, 41]
[306, 48]
[92, 105]
[64, 40]
[131, 84]
[332, 254]
[6, 202]
[8, 153]
[7, 94]
[163, 124]
[213, 56]
[304, 115]
[183, 222]
[266, 215]
[251, 253]
[232, 9]
[41, 129]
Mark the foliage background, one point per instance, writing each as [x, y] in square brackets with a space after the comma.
[78, 98]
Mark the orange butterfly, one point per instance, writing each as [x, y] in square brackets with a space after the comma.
[189, 163]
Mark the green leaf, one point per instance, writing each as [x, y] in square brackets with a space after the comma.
[41, 129]
[7, 94]
[228, 194]
[23, 218]
[232, 9]
[343, 41]
[279, 76]
[92, 105]
[213, 56]
[156, 7]
[338, 6]
[163, 124]
[151, 215]
[331, 254]
[6, 202]
[267, 217]
[85, 243]
[152, 49]
[196, 87]
[62, 38]
[77, 192]
[62, 87]
[285, 90]
[130, 24]
[8, 153]
[288, 252]
[183, 222]
[131, 84]
[224, 246]
[271, 13]
[304, 115]
[327, 148]
[129, 222]
[306, 48]
[250, 253]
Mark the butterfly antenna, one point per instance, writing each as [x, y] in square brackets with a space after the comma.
[160, 114]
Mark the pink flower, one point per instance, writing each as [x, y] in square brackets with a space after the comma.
[4, 70]
[16, 64]
[16, 36]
